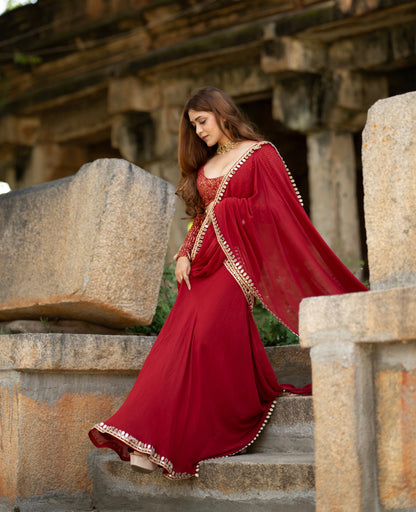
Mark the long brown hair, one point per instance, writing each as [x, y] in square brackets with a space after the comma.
[193, 152]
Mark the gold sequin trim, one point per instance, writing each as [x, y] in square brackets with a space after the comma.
[218, 196]
[146, 449]
[234, 266]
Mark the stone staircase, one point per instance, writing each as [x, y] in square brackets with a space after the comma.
[276, 474]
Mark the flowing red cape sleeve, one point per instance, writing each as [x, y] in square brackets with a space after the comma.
[272, 248]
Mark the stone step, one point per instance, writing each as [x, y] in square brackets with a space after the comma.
[290, 428]
[244, 483]
[291, 364]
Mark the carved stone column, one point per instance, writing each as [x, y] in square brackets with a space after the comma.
[333, 196]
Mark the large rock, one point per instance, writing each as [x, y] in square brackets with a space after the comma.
[89, 247]
[389, 160]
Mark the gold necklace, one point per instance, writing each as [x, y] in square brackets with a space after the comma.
[225, 148]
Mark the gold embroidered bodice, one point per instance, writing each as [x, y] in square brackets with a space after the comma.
[207, 188]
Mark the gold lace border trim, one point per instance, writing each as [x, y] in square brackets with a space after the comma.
[223, 185]
[164, 462]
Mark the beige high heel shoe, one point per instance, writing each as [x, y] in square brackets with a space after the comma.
[141, 462]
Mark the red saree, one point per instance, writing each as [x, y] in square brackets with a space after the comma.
[207, 388]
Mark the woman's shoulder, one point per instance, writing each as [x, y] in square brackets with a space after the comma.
[265, 149]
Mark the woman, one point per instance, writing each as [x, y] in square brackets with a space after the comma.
[207, 388]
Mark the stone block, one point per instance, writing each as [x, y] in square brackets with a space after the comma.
[90, 247]
[291, 364]
[366, 317]
[244, 483]
[132, 94]
[286, 55]
[53, 388]
[389, 170]
[395, 396]
[361, 52]
[296, 102]
[133, 135]
[403, 41]
[19, 130]
[363, 354]
[338, 476]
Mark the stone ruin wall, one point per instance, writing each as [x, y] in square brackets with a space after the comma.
[114, 77]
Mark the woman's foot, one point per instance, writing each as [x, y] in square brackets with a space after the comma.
[141, 462]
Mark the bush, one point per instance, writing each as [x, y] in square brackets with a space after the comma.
[272, 332]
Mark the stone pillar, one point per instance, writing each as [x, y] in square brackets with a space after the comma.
[363, 344]
[50, 162]
[333, 196]
[389, 159]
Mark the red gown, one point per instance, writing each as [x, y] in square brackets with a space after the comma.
[207, 387]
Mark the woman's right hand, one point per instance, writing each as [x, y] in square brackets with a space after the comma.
[182, 271]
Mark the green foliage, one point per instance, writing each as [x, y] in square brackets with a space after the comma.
[167, 297]
[272, 332]
[13, 4]
[26, 60]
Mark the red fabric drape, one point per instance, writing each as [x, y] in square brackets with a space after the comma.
[272, 248]
[207, 386]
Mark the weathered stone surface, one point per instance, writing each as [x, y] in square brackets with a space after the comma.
[19, 130]
[70, 382]
[333, 196]
[286, 55]
[361, 52]
[46, 326]
[389, 169]
[90, 247]
[260, 482]
[343, 409]
[132, 94]
[291, 363]
[363, 355]
[365, 317]
[295, 103]
[348, 95]
[290, 428]
[395, 394]
[52, 390]
[74, 353]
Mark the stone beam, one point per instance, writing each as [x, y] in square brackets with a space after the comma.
[389, 159]
[287, 55]
[377, 50]
[19, 130]
[296, 103]
[133, 135]
[52, 161]
[348, 95]
[360, 52]
[132, 94]
[333, 196]
[90, 247]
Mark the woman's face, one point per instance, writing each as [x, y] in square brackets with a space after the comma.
[207, 128]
